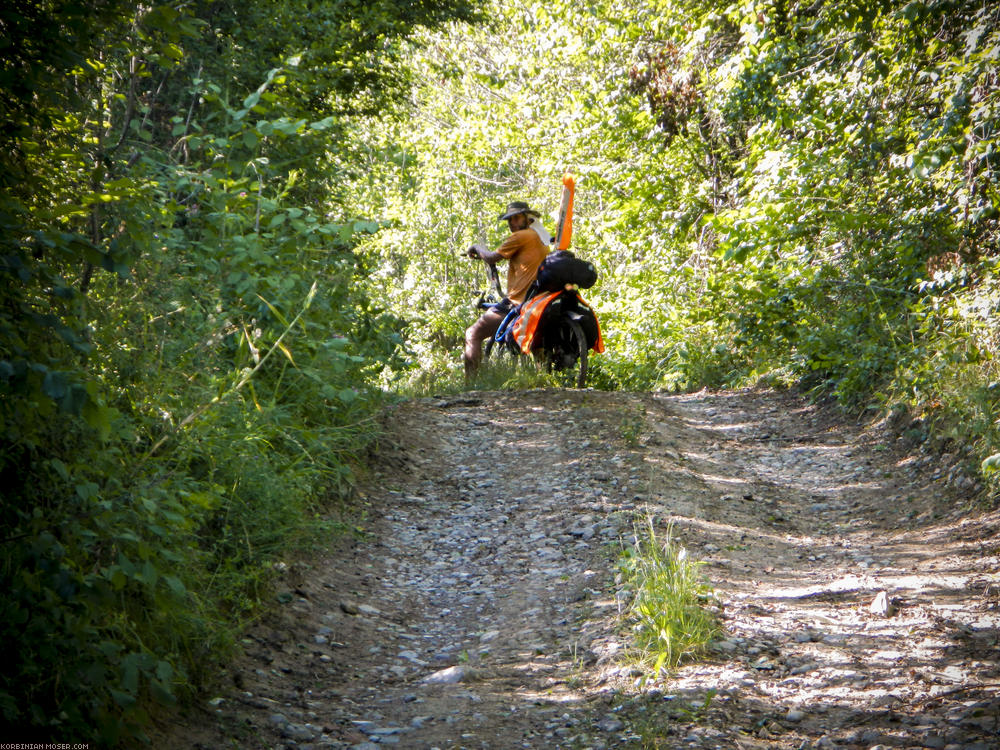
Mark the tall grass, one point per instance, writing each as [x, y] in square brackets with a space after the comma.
[441, 375]
[668, 613]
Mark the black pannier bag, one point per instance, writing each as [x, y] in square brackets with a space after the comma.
[561, 268]
[571, 306]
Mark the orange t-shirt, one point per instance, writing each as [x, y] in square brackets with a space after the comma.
[524, 250]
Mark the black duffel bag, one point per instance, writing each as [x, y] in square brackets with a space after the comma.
[561, 268]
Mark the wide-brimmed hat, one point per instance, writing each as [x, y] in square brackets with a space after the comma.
[518, 207]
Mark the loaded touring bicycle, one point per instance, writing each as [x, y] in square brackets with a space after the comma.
[554, 324]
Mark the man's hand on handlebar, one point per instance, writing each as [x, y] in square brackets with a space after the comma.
[475, 252]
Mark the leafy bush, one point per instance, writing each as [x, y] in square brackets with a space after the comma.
[189, 366]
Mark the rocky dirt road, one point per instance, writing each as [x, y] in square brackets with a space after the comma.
[860, 597]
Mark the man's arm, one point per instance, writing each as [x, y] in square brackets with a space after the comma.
[480, 251]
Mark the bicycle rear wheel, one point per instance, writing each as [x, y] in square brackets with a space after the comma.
[567, 354]
[581, 353]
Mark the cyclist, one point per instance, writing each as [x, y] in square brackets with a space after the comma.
[524, 250]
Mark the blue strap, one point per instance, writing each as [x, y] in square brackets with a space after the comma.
[506, 323]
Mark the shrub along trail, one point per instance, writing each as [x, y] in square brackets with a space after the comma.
[859, 602]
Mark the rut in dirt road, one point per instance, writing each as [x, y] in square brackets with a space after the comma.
[482, 610]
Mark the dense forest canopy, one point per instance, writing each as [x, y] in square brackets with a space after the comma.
[230, 230]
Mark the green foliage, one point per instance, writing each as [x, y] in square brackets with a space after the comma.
[771, 192]
[189, 363]
[668, 613]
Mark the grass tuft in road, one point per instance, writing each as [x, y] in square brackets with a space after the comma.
[670, 612]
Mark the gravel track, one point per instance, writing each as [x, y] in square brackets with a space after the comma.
[859, 593]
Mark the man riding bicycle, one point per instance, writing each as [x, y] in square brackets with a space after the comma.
[524, 250]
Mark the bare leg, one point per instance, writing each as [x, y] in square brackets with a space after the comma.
[475, 335]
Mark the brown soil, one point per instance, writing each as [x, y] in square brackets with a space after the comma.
[858, 588]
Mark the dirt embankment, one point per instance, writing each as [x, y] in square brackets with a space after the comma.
[859, 600]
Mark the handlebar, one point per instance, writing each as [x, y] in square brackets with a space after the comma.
[492, 280]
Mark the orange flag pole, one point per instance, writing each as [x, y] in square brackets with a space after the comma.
[565, 230]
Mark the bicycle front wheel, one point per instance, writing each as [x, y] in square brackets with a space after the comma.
[497, 353]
